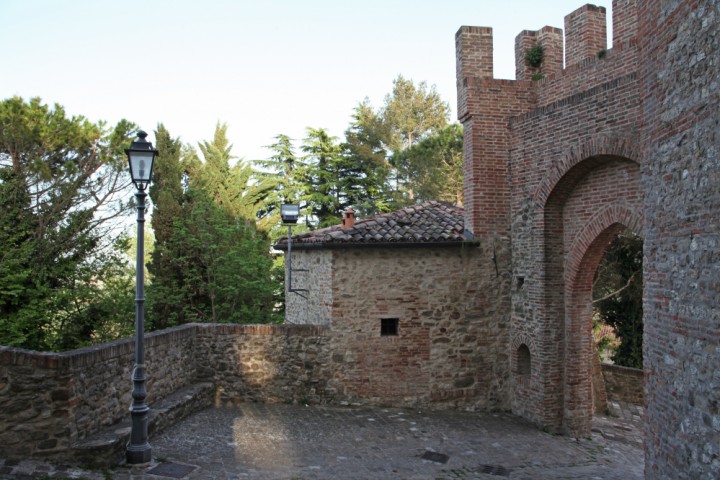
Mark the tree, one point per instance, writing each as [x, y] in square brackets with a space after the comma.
[618, 296]
[229, 185]
[210, 263]
[283, 177]
[224, 265]
[436, 165]
[365, 151]
[409, 115]
[323, 177]
[165, 294]
[62, 185]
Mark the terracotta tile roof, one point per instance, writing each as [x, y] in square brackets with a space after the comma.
[427, 223]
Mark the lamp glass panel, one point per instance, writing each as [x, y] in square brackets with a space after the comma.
[141, 166]
[290, 210]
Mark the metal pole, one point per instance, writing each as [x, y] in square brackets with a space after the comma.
[289, 258]
[138, 449]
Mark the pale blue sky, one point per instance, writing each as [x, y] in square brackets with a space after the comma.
[263, 67]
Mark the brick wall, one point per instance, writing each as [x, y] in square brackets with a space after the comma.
[554, 165]
[680, 78]
[451, 347]
[626, 139]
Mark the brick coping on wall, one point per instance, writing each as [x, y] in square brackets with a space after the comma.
[14, 356]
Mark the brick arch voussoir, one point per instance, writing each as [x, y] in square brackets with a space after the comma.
[614, 214]
[600, 146]
[523, 338]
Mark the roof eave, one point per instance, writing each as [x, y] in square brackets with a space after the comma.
[352, 245]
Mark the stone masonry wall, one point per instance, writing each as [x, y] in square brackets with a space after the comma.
[680, 78]
[314, 273]
[50, 400]
[623, 384]
[451, 345]
[265, 363]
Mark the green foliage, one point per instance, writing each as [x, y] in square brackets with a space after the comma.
[367, 188]
[62, 183]
[210, 263]
[436, 165]
[618, 293]
[410, 113]
[324, 177]
[373, 170]
[222, 264]
[283, 179]
[534, 56]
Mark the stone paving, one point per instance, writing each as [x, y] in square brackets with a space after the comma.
[294, 442]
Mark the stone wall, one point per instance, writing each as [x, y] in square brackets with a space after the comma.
[265, 363]
[312, 271]
[623, 384]
[48, 401]
[680, 77]
[451, 345]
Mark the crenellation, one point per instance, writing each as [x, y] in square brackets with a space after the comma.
[551, 41]
[585, 34]
[523, 42]
[625, 22]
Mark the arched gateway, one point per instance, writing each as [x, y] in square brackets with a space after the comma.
[552, 171]
[561, 159]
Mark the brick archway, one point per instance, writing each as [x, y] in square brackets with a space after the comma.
[582, 262]
[588, 206]
[586, 153]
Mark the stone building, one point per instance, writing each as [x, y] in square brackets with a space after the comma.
[410, 299]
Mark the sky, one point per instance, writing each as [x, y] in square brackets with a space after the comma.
[264, 67]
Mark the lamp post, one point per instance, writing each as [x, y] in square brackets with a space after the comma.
[141, 157]
[289, 214]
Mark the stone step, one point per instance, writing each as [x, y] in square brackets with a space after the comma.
[107, 447]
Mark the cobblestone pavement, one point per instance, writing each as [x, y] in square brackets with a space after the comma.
[292, 442]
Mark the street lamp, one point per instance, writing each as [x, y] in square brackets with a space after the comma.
[289, 214]
[141, 157]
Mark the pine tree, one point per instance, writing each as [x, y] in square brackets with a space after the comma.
[210, 263]
[63, 182]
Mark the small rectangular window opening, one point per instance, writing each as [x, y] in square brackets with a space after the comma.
[389, 326]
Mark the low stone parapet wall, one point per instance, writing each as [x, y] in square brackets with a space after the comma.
[265, 363]
[623, 384]
[50, 401]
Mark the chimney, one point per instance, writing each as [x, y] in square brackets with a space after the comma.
[348, 218]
